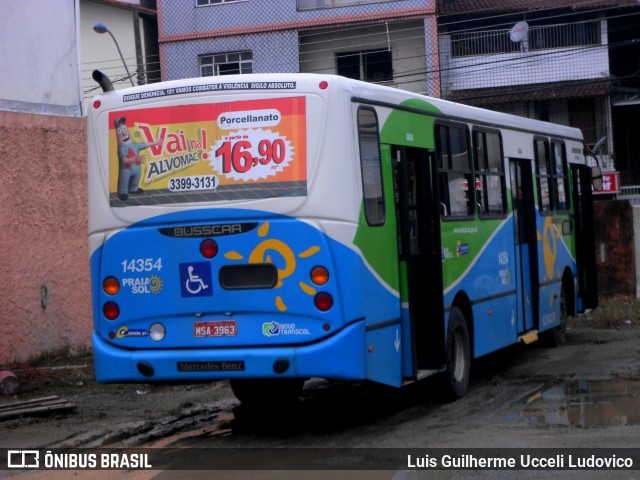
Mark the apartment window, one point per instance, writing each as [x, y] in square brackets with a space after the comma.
[454, 175]
[201, 3]
[370, 65]
[582, 115]
[490, 183]
[226, 64]
[371, 166]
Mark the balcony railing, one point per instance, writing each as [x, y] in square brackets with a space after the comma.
[539, 38]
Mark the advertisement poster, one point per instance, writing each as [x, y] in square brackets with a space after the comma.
[249, 149]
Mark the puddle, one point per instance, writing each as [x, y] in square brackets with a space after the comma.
[584, 404]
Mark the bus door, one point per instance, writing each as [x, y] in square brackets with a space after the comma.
[584, 234]
[419, 250]
[524, 220]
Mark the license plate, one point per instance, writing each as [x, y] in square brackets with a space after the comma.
[222, 328]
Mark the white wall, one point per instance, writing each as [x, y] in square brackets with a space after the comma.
[525, 68]
[39, 58]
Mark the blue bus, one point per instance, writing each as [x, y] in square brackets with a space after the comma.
[271, 228]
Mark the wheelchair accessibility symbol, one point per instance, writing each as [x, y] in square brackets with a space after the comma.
[195, 279]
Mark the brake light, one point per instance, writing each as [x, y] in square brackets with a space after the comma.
[209, 248]
[111, 310]
[323, 301]
[111, 286]
[319, 275]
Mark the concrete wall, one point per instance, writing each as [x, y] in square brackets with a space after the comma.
[44, 267]
[39, 57]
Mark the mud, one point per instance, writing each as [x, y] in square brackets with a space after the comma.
[584, 394]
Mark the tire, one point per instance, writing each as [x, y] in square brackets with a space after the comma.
[267, 391]
[557, 336]
[458, 366]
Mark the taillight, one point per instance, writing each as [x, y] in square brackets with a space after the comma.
[323, 301]
[111, 310]
[111, 286]
[209, 248]
[319, 275]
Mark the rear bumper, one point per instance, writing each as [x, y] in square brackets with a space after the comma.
[341, 356]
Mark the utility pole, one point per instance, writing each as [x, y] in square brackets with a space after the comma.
[139, 57]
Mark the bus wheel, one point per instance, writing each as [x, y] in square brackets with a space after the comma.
[558, 336]
[456, 376]
[267, 391]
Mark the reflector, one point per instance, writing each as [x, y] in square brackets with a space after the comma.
[209, 248]
[111, 310]
[323, 301]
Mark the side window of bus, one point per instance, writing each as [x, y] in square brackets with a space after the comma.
[559, 173]
[545, 184]
[490, 184]
[454, 175]
[371, 166]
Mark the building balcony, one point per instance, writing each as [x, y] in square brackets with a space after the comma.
[547, 54]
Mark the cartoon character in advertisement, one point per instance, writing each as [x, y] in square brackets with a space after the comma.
[130, 159]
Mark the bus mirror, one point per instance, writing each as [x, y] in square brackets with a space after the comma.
[596, 178]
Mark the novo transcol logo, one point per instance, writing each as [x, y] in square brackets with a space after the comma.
[270, 329]
[273, 329]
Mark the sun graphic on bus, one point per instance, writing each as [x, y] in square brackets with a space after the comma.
[549, 238]
[155, 284]
[261, 254]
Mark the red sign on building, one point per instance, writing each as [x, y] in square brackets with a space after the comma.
[610, 183]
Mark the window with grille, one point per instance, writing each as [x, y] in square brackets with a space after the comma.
[226, 64]
[485, 42]
[370, 65]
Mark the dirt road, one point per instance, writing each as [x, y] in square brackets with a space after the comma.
[584, 394]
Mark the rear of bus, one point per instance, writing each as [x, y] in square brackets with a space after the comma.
[221, 216]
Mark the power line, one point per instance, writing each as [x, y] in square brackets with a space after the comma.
[374, 40]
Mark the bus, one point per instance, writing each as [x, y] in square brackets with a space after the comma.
[271, 228]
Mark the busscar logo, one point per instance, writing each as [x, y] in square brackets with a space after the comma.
[23, 459]
[216, 230]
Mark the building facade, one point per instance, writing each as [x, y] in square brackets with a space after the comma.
[573, 62]
[553, 60]
[391, 42]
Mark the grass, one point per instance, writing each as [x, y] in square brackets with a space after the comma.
[613, 312]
